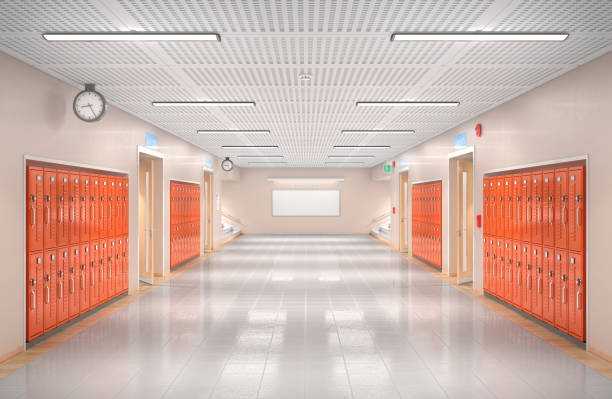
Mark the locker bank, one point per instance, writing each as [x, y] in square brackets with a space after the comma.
[324, 199]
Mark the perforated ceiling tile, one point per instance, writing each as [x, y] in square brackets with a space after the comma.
[305, 64]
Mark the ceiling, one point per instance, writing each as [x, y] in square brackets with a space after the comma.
[345, 46]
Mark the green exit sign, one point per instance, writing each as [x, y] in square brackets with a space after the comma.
[387, 168]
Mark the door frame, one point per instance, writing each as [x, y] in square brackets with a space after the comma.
[453, 157]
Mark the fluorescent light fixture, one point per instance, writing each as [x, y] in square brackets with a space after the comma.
[305, 179]
[130, 36]
[480, 36]
[262, 162]
[351, 156]
[378, 132]
[247, 147]
[368, 147]
[343, 163]
[407, 103]
[258, 156]
[203, 103]
[233, 132]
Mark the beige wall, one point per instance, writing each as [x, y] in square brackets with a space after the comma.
[36, 119]
[250, 199]
[567, 117]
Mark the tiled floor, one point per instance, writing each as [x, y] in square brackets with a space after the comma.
[305, 316]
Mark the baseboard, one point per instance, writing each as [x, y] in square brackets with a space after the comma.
[466, 280]
[11, 354]
[599, 353]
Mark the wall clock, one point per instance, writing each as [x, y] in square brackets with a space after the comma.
[89, 105]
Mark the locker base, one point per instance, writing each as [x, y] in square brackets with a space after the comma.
[540, 322]
[427, 263]
[72, 321]
[183, 263]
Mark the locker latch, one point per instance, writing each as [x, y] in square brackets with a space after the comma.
[47, 277]
[117, 256]
[47, 198]
[92, 263]
[33, 198]
[33, 282]
[518, 263]
[72, 198]
[83, 267]
[101, 261]
[564, 278]
[528, 266]
[82, 198]
[550, 273]
[578, 198]
[578, 282]
[563, 198]
[93, 198]
[72, 269]
[539, 198]
[539, 270]
[61, 198]
[110, 258]
[550, 198]
[529, 198]
[60, 273]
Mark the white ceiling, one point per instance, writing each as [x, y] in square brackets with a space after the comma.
[345, 45]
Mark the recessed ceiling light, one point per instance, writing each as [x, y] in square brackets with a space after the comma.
[370, 147]
[479, 36]
[233, 131]
[246, 147]
[378, 132]
[407, 103]
[203, 103]
[129, 36]
[259, 156]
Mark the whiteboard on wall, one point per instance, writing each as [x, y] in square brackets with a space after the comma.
[305, 202]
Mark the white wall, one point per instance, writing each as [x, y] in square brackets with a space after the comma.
[36, 119]
[567, 117]
[361, 200]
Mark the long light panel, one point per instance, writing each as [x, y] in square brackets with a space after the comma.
[233, 132]
[407, 103]
[258, 156]
[351, 156]
[264, 162]
[480, 36]
[363, 147]
[203, 103]
[305, 179]
[378, 132]
[129, 36]
[343, 163]
[247, 147]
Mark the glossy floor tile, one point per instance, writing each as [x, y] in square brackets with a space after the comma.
[305, 317]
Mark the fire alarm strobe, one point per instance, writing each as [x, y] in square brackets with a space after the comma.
[478, 130]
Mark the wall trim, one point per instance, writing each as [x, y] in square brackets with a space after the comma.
[11, 354]
[148, 151]
[463, 151]
[173, 180]
[599, 353]
[73, 164]
[537, 164]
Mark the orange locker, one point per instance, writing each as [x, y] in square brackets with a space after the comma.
[112, 206]
[34, 206]
[577, 205]
[60, 291]
[494, 267]
[500, 266]
[95, 208]
[104, 206]
[536, 208]
[485, 206]
[499, 217]
[561, 279]
[85, 212]
[517, 296]
[50, 192]
[561, 208]
[34, 290]
[516, 205]
[548, 268]
[49, 282]
[75, 208]
[492, 207]
[508, 224]
[548, 206]
[508, 271]
[85, 272]
[94, 275]
[63, 198]
[537, 298]
[119, 207]
[112, 268]
[120, 267]
[72, 285]
[525, 215]
[103, 270]
[576, 296]
[126, 263]
[525, 277]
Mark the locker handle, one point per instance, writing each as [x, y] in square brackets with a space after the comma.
[550, 290]
[510, 274]
[539, 285]
[577, 300]
[110, 272]
[528, 283]
[110, 211]
[539, 214]
[72, 285]
[578, 216]
[82, 282]
[61, 290]
[518, 212]
[93, 278]
[563, 295]
[33, 216]
[47, 292]
[83, 213]
[61, 212]
[93, 212]
[48, 215]
[101, 274]
[71, 214]
[528, 213]
[33, 300]
[563, 216]
[519, 278]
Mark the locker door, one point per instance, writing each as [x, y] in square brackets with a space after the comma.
[500, 207]
[508, 225]
[34, 206]
[112, 268]
[536, 208]
[119, 263]
[517, 297]
[577, 208]
[527, 205]
[119, 205]
[537, 289]
[493, 206]
[516, 207]
[94, 274]
[526, 277]
[561, 279]
[34, 290]
[61, 292]
[85, 212]
[49, 281]
[73, 291]
[508, 271]
[126, 206]
[94, 208]
[126, 263]
[548, 214]
[501, 265]
[50, 211]
[112, 206]
[494, 267]
[561, 208]
[103, 206]
[103, 270]
[486, 265]
[75, 209]
[84, 285]
[63, 209]
[548, 265]
[577, 295]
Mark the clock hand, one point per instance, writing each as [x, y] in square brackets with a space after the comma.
[92, 110]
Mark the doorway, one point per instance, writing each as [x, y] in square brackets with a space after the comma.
[404, 212]
[462, 240]
[207, 214]
[150, 215]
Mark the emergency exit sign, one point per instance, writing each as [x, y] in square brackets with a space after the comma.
[387, 168]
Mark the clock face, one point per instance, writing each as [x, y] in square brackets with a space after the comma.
[89, 105]
[227, 165]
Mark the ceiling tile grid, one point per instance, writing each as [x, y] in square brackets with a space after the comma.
[343, 46]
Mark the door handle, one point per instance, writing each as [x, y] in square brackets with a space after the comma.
[61, 290]
[539, 215]
[563, 295]
[33, 216]
[519, 278]
[577, 300]
[528, 282]
[48, 215]
[71, 285]
[47, 292]
[93, 278]
[563, 215]
[539, 285]
[82, 282]
[71, 214]
[578, 216]
[33, 300]
[550, 214]
[550, 290]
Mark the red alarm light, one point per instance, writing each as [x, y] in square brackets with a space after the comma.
[393, 164]
[478, 221]
[478, 130]
[394, 210]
